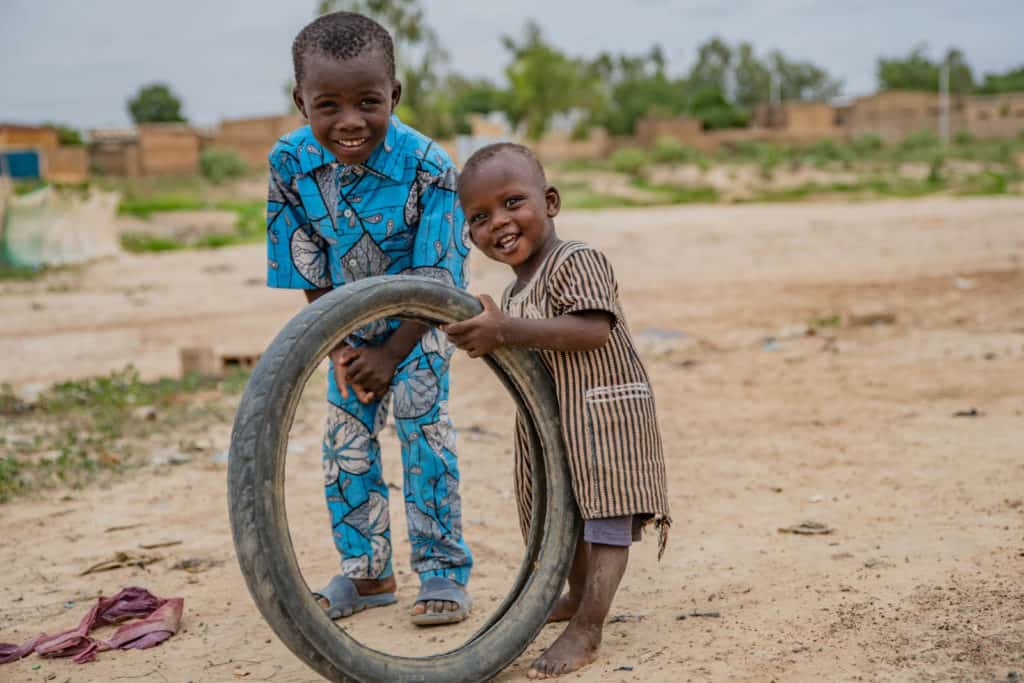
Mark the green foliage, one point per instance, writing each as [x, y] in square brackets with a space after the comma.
[635, 86]
[628, 160]
[66, 135]
[668, 150]
[867, 144]
[917, 72]
[543, 82]
[922, 139]
[719, 66]
[79, 426]
[1011, 81]
[217, 164]
[155, 103]
[715, 112]
[936, 168]
[250, 225]
[986, 183]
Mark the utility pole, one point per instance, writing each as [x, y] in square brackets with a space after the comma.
[944, 104]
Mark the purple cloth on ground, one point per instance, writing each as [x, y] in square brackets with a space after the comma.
[618, 531]
[162, 618]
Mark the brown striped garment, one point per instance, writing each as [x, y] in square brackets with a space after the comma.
[605, 400]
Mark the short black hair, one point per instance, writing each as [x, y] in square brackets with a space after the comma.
[342, 35]
[490, 151]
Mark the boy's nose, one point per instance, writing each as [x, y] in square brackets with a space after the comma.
[348, 122]
[501, 219]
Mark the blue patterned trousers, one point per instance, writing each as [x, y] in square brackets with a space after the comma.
[357, 496]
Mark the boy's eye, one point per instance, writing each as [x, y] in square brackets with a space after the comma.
[478, 217]
[369, 103]
[323, 106]
[513, 201]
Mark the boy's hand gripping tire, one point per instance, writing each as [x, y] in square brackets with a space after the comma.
[256, 472]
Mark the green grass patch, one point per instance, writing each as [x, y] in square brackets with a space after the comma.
[77, 430]
[678, 194]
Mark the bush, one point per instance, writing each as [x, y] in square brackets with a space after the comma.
[218, 164]
[964, 137]
[629, 160]
[670, 150]
[922, 139]
[867, 144]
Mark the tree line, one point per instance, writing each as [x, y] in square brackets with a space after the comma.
[613, 90]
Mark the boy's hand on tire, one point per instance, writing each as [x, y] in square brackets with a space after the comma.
[482, 333]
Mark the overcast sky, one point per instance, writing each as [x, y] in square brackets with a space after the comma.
[78, 62]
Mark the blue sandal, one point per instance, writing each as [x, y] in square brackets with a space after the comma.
[343, 600]
[445, 590]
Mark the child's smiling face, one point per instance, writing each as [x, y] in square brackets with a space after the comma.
[348, 102]
[509, 210]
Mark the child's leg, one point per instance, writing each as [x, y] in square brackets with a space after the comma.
[597, 570]
[357, 496]
[433, 505]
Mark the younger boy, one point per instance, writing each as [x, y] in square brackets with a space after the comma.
[357, 193]
[564, 303]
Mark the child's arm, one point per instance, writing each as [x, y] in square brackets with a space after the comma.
[577, 331]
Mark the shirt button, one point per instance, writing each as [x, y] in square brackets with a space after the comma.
[352, 262]
[348, 213]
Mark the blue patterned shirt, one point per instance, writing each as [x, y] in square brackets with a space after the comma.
[398, 212]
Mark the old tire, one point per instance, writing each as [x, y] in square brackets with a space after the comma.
[256, 474]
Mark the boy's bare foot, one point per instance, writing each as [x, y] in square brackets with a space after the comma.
[564, 609]
[574, 649]
[366, 587]
[595, 575]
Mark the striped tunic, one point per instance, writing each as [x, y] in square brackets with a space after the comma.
[605, 400]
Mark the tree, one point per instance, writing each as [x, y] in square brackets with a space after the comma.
[714, 111]
[155, 103]
[543, 81]
[635, 86]
[66, 135]
[744, 79]
[803, 80]
[917, 72]
[1011, 81]
[472, 96]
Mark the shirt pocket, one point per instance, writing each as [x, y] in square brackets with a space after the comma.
[621, 436]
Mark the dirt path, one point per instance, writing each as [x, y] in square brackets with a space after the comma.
[852, 427]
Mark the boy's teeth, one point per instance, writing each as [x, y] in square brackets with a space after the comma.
[351, 143]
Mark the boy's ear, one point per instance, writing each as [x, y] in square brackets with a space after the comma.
[297, 99]
[553, 200]
[396, 94]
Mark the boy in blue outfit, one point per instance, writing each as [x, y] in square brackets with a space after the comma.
[357, 193]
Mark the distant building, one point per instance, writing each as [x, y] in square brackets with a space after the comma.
[36, 152]
[253, 138]
[148, 150]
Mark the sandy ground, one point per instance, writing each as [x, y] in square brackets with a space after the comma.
[853, 427]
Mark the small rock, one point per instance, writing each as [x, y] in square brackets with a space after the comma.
[29, 393]
[816, 498]
[972, 412]
[964, 284]
[144, 413]
[623, 668]
[770, 344]
[793, 331]
[169, 458]
[807, 528]
[871, 318]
